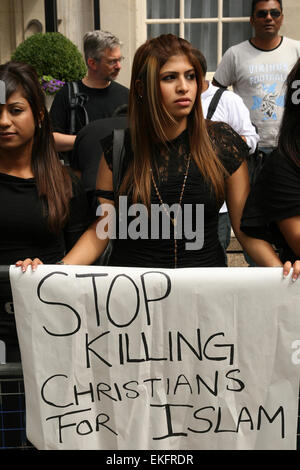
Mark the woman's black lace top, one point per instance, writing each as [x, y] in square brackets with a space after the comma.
[169, 175]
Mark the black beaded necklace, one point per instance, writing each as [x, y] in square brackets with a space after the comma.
[173, 220]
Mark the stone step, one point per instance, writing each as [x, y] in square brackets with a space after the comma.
[235, 256]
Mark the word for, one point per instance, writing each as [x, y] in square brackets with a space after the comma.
[67, 395]
[162, 218]
[83, 427]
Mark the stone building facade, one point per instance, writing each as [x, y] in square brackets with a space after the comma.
[211, 26]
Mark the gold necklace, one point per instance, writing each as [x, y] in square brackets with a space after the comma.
[173, 220]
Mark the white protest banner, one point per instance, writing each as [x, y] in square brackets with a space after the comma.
[121, 359]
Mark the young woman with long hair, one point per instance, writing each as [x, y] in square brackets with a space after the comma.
[173, 159]
[272, 210]
[43, 208]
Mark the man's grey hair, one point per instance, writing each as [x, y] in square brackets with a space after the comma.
[95, 43]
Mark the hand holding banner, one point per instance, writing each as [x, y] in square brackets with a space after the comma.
[122, 358]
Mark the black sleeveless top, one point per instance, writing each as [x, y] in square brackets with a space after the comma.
[169, 176]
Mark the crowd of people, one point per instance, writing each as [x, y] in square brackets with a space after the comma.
[172, 157]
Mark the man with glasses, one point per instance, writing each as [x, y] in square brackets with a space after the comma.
[98, 95]
[257, 69]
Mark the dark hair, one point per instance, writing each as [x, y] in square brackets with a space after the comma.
[53, 181]
[289, 137]
[254, 2]
[202, 60]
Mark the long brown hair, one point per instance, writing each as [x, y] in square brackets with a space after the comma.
[149, 118]
[53, 181]
[289, 138]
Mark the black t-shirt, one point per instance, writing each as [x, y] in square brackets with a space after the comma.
[24, 232]
[171, 164]
[275, 196]
[100, 103]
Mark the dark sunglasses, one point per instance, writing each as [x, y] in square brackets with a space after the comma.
[264, 13]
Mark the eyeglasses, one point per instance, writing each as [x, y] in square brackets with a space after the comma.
[264, 13]
[113, 62]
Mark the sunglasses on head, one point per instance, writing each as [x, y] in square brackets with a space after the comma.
[264, 13]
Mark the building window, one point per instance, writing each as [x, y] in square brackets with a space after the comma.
[211, 26]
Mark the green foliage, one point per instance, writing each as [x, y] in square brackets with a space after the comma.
[52, 54]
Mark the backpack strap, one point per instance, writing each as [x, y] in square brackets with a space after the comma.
[76, 99]
[118, 157]
[73, 92]
[214, 102]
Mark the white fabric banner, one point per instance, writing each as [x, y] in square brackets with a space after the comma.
[121, 358]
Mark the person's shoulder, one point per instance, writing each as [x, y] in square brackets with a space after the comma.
[107, 141]
[225, 137]
[291, 47]
[209, 92]
[229, 146]
[279, 163]
[290, 42]
[230, 97]
[216, 128]
[103, 126]
[72, 86]
[62, 94]
[238, 48]
[117, 85]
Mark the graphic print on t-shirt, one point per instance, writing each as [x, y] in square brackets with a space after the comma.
[268, 100]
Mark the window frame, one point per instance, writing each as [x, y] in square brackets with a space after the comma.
[143, 22]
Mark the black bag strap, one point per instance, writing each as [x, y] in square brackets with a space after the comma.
[214, 102]
[73, 92]
[118, 157]
[76, 99]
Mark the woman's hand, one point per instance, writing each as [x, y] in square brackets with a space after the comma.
[296, 269]
[28, 262]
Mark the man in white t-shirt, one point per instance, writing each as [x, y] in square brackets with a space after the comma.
[232, 110]
[257, 69]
